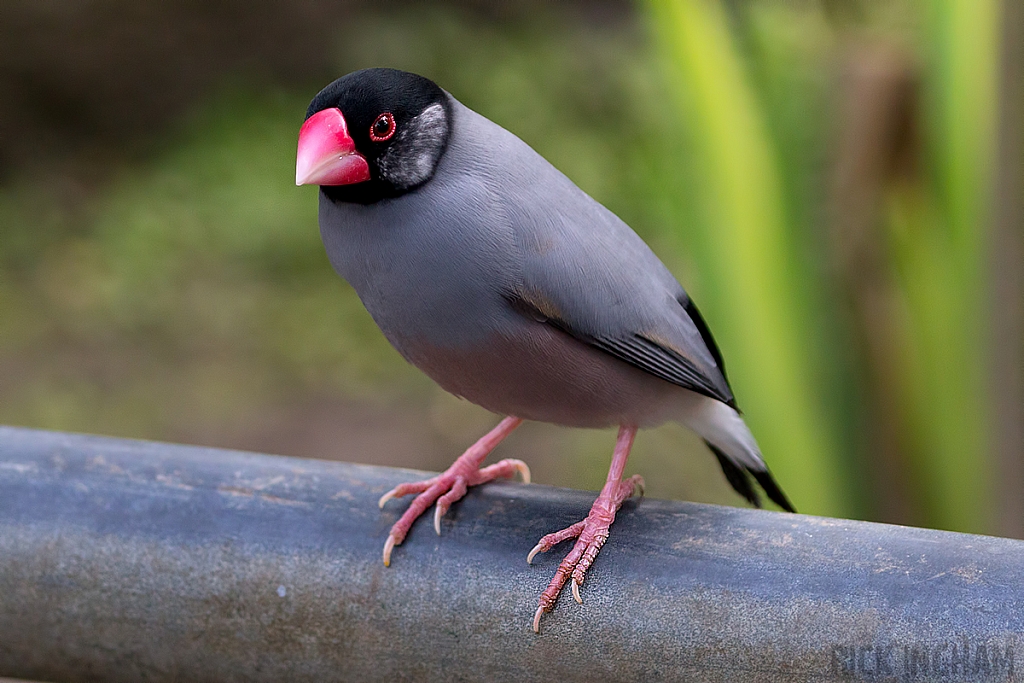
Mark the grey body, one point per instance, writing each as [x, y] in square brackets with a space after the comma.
[503, 281]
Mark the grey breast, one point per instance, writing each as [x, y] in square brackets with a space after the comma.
[436, 267]
[430, 266]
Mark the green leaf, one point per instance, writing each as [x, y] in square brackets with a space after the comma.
[753, 296]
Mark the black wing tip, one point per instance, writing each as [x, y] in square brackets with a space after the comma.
[738, 477]
[709, 341]
[771, 487]
[705, 334]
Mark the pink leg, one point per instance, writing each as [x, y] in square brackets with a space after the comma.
[592, 532]
[450, 486]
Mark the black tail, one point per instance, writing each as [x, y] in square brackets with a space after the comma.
[738, 477]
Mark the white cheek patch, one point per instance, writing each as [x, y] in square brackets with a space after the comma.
[412, 156]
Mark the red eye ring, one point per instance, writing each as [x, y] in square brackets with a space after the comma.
[383, 127]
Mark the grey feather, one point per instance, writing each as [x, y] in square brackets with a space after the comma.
[591, 275]
[508, 285]
[498, 225]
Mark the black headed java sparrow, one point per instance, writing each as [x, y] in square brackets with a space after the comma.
[493, 273]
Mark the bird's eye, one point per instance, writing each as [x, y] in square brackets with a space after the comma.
[383, 128]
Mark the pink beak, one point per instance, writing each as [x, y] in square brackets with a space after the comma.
[327, 154]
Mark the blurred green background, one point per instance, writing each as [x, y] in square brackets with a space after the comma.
[836, 183]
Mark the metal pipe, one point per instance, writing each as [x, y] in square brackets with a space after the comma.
[130, 561]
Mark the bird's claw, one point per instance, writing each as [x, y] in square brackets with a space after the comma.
[523, 469]
[536, 619]
[452, 485]
[389, 545]
[539, 548]
[438, 514]
[590, 534]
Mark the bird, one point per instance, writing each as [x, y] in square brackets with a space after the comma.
[509, 286]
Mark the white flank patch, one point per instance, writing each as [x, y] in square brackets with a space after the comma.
[724, 428]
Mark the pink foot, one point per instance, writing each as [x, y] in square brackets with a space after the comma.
[591, 533]
[450, 486]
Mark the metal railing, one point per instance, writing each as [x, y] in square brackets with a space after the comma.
[130, 561]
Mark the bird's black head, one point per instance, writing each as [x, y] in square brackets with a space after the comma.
[373, 134]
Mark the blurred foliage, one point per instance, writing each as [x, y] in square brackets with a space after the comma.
[184, 289]
[743, 87]
[756, 303]
[944, 243]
